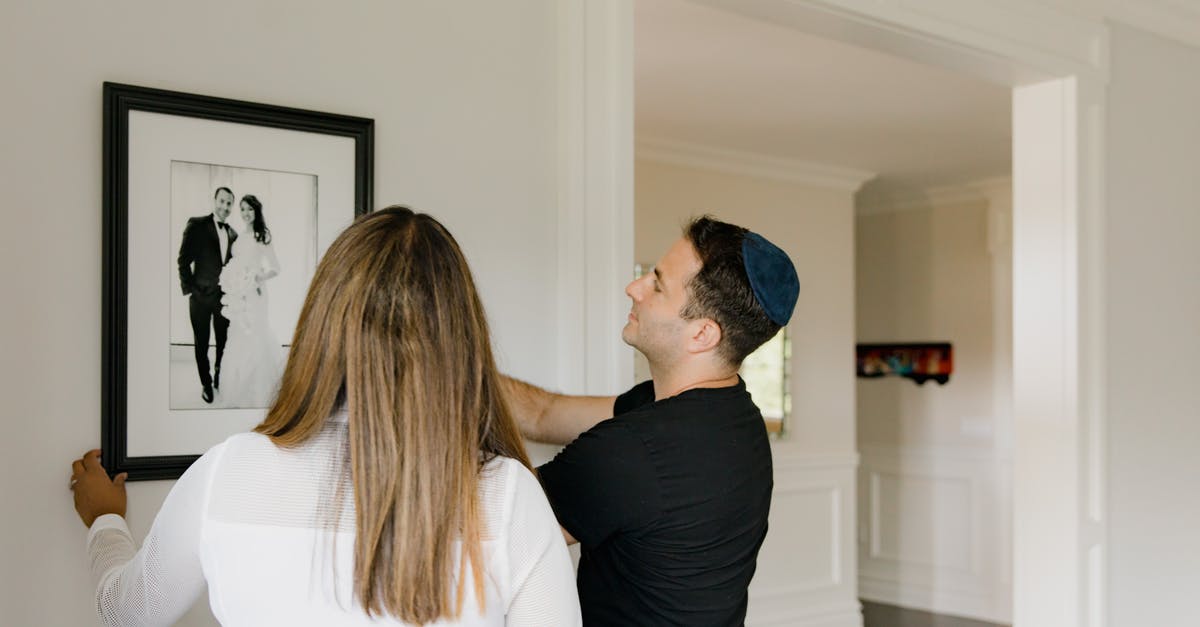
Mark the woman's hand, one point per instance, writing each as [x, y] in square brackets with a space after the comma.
[96, 494]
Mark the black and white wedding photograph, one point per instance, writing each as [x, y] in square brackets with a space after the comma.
[244, 245]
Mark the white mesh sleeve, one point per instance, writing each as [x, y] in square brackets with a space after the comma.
[157, 584]
[542, 578]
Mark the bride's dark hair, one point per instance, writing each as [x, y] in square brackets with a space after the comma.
[261, 232]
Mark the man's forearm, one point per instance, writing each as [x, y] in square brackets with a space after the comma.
[528, 404]
[551, 418]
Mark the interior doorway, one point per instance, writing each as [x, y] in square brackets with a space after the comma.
[1058, 551]
[827, 147]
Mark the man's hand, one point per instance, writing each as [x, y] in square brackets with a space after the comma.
[96, 494]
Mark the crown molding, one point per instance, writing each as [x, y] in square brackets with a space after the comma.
[1172, 19]
[1013, 42]
[896, 201]
[757, 165]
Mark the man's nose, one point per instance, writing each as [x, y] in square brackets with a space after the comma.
[634, 290]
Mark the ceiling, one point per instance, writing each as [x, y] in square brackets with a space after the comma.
[710, 77]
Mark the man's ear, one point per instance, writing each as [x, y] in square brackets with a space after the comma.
[705, 335]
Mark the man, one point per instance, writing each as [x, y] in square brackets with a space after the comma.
[204, 251]
[669, 497]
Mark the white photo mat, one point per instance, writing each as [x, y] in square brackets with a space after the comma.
[155, 140]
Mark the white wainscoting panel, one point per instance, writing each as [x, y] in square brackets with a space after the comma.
[806, 573]
[935, 531]
[929, 520]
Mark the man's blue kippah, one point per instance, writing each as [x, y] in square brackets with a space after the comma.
[772, 277]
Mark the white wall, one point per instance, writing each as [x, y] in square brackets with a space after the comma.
[464, 104]
[1153, 306]
[806, 569]
[934, 506]
[924, 274]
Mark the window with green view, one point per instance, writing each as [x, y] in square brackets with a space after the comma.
[766, 374]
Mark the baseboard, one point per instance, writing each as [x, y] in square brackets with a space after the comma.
[976, 604]
[848, 615]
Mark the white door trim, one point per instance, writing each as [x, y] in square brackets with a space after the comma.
[595, 214]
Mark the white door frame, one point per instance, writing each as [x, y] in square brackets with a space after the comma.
[595, 216]
[1057, 65]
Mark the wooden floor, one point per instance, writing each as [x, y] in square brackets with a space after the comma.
[879, 615]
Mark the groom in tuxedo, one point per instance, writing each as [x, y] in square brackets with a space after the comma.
[205, 250]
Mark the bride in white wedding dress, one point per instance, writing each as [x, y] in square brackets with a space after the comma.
[253, 361]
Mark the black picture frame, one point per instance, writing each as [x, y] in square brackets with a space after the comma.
[119, 101]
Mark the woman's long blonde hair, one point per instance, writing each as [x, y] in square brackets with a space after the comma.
[393, 328]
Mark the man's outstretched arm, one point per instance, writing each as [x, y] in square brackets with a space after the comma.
[551, 418]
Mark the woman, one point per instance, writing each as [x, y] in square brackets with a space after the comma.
[252, 361]
[387, 484]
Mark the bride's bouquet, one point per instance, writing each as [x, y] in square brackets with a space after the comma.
[238, 281]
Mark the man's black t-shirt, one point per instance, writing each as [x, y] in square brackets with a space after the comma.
[669, 502]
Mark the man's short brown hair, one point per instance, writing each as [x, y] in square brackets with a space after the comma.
[721, 291]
